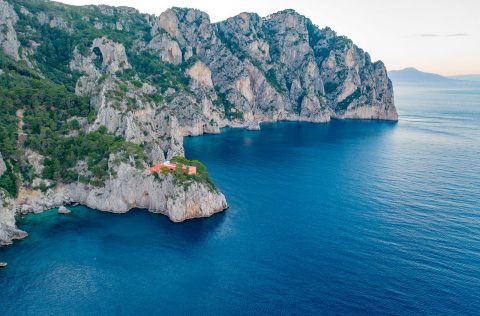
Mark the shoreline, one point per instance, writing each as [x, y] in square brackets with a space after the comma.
[22, 208]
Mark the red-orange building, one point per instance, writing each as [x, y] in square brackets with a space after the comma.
[171, 166]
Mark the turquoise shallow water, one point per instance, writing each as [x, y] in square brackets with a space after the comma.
[349, 217]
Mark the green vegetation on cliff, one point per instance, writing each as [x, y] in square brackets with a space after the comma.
[44, 116]
[184, 178]
[8, 182]
[346, 102]
[151, 68]
[228, 107]
[57, 44]
[94, 148]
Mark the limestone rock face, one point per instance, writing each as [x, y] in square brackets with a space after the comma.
[109, 54]
[84, 64]
[112, 55]
[300, 61]
[167, 21]
[201, 75]
[168, 48]
[8, 36]
[131, 189]
[53, 22]
[357, 87]
[134, 117]
[3, 167]
[281, 67]
[139, 122]
[8, 229]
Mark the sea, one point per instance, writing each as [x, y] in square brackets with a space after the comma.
[345, 218]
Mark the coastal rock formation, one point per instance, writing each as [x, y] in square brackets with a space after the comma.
[63, 210]
[157, 194]
[146, 82]
[8, 229]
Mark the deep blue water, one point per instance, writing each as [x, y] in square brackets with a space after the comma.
[344, 218]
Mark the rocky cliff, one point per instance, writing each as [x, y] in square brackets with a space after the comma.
[8, 230]
[130, 189]
[133, 85]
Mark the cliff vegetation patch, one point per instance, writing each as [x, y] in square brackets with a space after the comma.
[182, 177]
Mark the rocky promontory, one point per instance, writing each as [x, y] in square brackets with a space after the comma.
[131, 189]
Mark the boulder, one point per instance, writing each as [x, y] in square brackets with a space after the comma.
[63, 210]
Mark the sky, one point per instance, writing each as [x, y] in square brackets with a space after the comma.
[440, 36]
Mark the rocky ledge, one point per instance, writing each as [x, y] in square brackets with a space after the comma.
[8, 230]
[131, 189]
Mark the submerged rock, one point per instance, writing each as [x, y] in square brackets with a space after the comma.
[63, 210]
[253, 126]
[8, 231]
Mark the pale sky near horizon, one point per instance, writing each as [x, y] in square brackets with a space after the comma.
[441, 36]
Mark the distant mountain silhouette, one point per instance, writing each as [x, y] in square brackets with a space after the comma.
[415, 75]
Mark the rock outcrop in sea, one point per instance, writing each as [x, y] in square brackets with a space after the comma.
[152, 80]
[63, 210]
